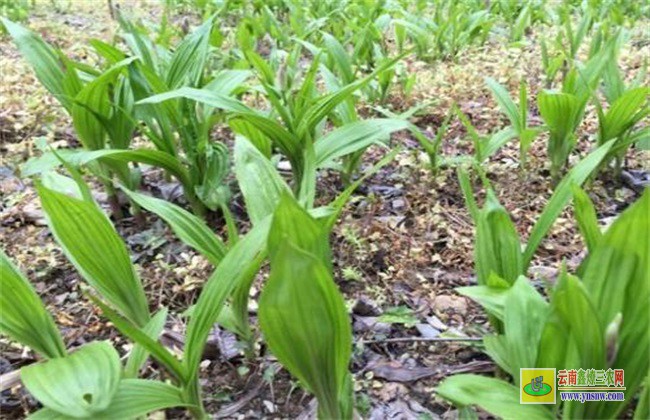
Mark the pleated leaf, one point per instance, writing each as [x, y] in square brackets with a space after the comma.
[626, 111]
[78, 385]
[190, 229]
[258, 179]
[92, 244]
[23, 316]
[524, 315]
[356, 136]
[303, 317]
[498, 249]
[585, 215]
[45, 61]
[242, 259]
[495, 396]
[188, 61]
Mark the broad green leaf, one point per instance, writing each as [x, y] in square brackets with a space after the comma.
[586, 341]
[139, 354]
[562, 113]
[188, 61]
[258, 179]
[626, 111]
[189, 228]
[45, 61]
[492, 299]
[562, 194]
[142, 337]
[623, 255]
[585, 214]
[524, 314]
[92, 244]
[91, 102]
[356, 136]
[495, 396]
[78, 385]
[241, 260]
[303, 317]
[23, 316]
[497, 250]
[49, 161]
[308, 235]
[134, 398]
[340, 57]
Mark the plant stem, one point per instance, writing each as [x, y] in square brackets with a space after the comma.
[193, 395]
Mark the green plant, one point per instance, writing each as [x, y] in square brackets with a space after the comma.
[628, 105]
[14, 10]
[303, 113]
[302, 313]
[89, 382]
[592, 323]
[99, 102]
[563, 111]
[498, 249]
[518, 115]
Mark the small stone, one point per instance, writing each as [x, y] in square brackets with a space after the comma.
[427, 331]
[269, 406]
[366, 307]
[448, 303]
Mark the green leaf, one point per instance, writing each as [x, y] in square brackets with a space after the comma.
[23, 316]
[562, 194]
[243, 259]
[497, 249]
[142, 337]
[49, 161]
[258, 179]
[189, 228]
[354, 137]
[304, 320]
[139, 354]
[45, 61]
[137, 397]
[495, 396]
[78, 385]
[524, 314]
[94, 247]
[134, 398]
[626, 111]
[623, 255]
[93, 102]
[188, 61]
[505, 102]
[585, 214]
[492, 297]
[399, 315]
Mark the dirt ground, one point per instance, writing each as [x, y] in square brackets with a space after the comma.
[404, 242]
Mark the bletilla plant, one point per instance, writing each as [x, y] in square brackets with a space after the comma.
[518, 115]
[94, 247]
[499, 248]
[88, 382]
[98, 101]
[598, 319]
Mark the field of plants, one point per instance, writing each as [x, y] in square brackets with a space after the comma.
[327, 209]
